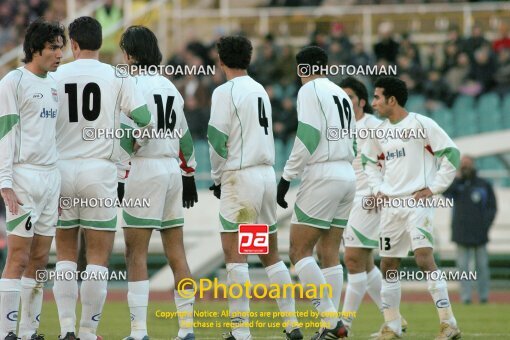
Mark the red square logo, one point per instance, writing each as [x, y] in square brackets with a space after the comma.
[253, 239]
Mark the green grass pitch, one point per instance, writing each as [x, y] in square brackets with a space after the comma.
[476, 321]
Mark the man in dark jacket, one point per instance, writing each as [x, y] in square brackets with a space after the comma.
[473, 214]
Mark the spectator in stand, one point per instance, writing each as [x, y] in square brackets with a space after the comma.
[285, 120]
[436, 91]
[451, 53]
[456, 76]
[197, 118]
[387, 48]
[503, 42]
[409, 49]
[264, 68]
[473, 214]
[338, 35]
[475, 41]
[454, 37]
[502, 76]
[319, 39]
[359, 56]
[483, 69]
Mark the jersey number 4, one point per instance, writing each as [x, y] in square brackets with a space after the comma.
[262, 116]
[344, 111]
[91, 94]
[166, 115]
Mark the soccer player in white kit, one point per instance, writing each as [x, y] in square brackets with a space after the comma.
[414, 168]
[362, 232]
[29, 178]
[242, 156]
[92, 97]
[323, 160]
[155, 173]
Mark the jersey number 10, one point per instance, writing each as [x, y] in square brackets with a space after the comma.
[91, 93]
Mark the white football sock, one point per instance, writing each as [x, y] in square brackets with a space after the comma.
[439, 292]
[138, 300]
[310, 275]
[31, 305]
[390, 295]
[374, 286]
[237, 273]
[334, 276]
[65, 292]
[93, 294]
[356, 288]
[9, 306]
[184, 305]
[278, 273]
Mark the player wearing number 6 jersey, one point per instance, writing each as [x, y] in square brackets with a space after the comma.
[92, 97]
[242, 155]
[29, 178]
[415, 168]
[155, 173]
[328, 183]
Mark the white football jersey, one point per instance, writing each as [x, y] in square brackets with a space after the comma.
[28, 115]
[92, 97]
[240, 129]
[421, 156]
[369, 122]
[167, 107]
[322, 107]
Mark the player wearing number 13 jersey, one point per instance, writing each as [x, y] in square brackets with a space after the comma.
[323, 159]
[242, 155]
[92, 98]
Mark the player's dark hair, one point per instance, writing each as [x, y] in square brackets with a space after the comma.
[87, 32]
[312, 55]
[141, 44]
[359, 89]
[235, 51]
[38, 34]
[392, 86]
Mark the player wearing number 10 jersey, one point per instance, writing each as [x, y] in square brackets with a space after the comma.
[91, 99]
[327, 187]
[242, 155]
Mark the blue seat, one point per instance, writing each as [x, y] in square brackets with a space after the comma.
[463, 103]
[416, 103]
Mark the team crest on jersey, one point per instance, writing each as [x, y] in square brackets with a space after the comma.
[54, 94]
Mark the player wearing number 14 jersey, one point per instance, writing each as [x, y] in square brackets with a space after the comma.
[242, 155]
[91, 99]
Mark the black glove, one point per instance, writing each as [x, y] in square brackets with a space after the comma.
[283, 187]
[216, 189]
[120, 191]
[189, 192]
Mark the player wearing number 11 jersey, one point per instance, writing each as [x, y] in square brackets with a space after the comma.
[242, 155]
[92, 97]
[323, 159]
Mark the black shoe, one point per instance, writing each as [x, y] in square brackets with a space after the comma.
[294, 334]
[336, 333]
[69, 336]
[11, 336]
[36, 336]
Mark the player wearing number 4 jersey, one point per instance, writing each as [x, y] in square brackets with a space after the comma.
[91, 98]
[327, 187]
[155, 173]
[29, 178]
[242, 155]
[413, 168]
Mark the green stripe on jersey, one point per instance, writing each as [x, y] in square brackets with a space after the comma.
[339, 222]
[186, 145]
[365, 160]
[110, 224]
[309, 136]
[304, 218]
[6, 123]
[227, 225]
[139, 222]
[141, 116]
[365, 240]
[14, 223]
[218, 141]
[427, 235]
[452, 154]
[126, 142]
